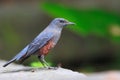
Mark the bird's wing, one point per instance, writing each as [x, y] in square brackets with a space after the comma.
[38, 42]
[21, 53]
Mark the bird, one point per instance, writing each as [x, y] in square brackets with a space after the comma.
[43, 43]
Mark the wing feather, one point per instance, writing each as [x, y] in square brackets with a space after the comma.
[37, 43]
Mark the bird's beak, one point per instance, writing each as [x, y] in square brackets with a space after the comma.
[71, 23]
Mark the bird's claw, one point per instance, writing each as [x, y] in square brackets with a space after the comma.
[54, 68]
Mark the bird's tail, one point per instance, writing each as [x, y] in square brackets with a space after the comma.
[18, 56]
[12, 60]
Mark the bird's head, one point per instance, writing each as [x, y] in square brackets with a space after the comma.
[61, 22]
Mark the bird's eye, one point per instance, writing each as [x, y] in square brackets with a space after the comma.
[62, 21]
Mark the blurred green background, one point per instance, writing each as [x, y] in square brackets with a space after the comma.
[93, 44]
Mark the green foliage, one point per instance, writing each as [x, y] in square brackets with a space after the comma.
[37, 64]
[92, 21]
[8, 34]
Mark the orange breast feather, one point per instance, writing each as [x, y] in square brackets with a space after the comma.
[46, 48]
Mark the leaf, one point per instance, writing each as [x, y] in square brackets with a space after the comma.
[90, 21]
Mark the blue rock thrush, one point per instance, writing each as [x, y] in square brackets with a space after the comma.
[43, 43]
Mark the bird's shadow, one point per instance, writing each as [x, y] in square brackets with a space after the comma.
[27, 70]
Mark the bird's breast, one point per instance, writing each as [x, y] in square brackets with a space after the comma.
[47, 47]
[56, 37]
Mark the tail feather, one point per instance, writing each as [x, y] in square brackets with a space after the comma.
[18, 57]
[12, 60]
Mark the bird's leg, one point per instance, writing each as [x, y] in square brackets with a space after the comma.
[42, 60]
[45, 64]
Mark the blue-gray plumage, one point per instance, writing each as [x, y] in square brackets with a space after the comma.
[45, 41]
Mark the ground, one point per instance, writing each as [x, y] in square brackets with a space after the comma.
[19, 72]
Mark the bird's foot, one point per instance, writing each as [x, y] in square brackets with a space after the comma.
[54, 68]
